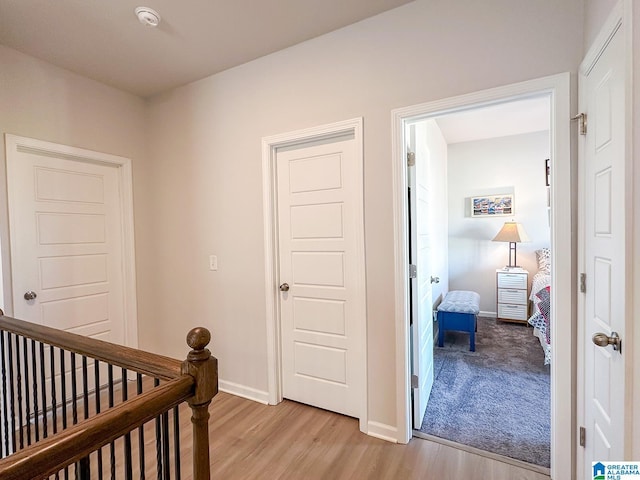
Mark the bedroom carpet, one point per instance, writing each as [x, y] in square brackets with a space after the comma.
[496, 398]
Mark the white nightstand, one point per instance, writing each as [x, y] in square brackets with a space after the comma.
[512, 294]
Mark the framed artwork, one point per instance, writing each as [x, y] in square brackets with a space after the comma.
[547, 173]
[492, 205]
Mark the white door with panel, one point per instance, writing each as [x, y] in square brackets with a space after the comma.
[321, 252]
[606, 302]
[421, 231]
[65, 217]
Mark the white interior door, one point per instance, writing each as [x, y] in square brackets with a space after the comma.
[421, 255]
[65, 217]
[319, 189]
[605, 252]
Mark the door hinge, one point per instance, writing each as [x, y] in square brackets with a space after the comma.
[414, 381]
[583, 436]
[413, 271]
[582, 123]
[411, 159]
[583, 283]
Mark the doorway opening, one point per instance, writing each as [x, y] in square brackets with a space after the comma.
[479, 248]
[474, 174]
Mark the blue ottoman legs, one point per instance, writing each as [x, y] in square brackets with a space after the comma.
[461, 322]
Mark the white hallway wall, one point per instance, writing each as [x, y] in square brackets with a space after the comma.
[206, 171]
[41, 101]
[513, 164]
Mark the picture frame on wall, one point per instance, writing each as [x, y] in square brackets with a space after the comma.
[492, 205]
[547, 173]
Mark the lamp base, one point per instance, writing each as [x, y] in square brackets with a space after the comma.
[512, 249]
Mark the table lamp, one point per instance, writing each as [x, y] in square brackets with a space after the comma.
[512, 232]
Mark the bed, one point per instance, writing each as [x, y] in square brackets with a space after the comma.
[540, 298]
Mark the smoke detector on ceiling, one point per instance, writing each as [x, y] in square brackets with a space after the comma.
[148, 16]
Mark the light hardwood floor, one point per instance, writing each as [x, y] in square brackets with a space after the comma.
[249, 440]
[295, 441]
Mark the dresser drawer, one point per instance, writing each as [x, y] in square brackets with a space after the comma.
[512, 280]
[513, 312]
[508, 295]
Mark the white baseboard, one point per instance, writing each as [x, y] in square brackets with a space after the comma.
[383, 432]
[243, 391]
[488, 314]
[375, 429]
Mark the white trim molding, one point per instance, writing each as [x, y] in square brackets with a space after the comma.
[123, 164]
[557, 88]
[269, 149]
[243, 391]
[383, 432]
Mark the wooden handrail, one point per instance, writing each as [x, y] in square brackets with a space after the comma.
[157, 366]
[194, 380]
[54, 453]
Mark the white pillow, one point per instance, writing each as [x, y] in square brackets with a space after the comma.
[544, 259]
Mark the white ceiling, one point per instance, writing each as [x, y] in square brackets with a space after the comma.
[103, 39]
[512, 118]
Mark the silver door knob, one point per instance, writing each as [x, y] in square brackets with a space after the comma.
[603, 340]
[435, 279]
[284, 287]
[30, 295]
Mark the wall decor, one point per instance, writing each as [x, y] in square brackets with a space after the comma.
[547, 173]
[492, 205]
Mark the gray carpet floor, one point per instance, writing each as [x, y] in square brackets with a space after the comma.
[496, 398]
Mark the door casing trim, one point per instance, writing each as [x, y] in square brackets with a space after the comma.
[270, 145]
[557, 87]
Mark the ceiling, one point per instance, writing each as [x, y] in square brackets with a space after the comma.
[103, 39]
[511, 118]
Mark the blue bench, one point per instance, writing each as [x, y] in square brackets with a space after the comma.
[459, 311]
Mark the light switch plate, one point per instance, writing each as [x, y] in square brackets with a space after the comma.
[213, 262]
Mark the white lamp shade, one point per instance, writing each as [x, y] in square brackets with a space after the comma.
[511, 232]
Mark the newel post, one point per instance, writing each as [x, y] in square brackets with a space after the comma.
[204, 369]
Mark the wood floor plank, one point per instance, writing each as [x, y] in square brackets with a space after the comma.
[294, 441]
